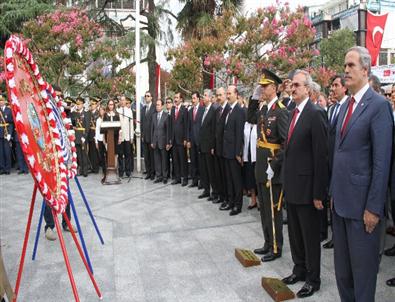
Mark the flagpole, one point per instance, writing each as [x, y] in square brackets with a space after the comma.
[138, 92]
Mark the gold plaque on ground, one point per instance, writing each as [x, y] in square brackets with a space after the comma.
[277, 289]
[247, 258]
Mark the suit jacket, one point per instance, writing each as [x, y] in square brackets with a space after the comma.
[331, 135]
[6, 122]
[160, 131]
[234, 133]
[305, 165]
[146, 123]
[362, 158]
[194, 125]
[179, 125]
[207, 131]
[219, 128]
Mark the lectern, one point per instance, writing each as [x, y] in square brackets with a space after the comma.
[110, 129]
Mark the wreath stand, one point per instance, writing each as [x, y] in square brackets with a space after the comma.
[70, 198]
[63, 247]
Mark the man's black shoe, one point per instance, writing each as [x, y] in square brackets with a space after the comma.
[192, 185]
[292, 279]
[225, 207]
[165, 181]
[204, 195]
[328, 245]
[147, 176]
[217, 201]
[270, 257]
[158, 180]
[391, 282]
[184, 183]
[262, 250]
[234, 212]
[307, 290]
[212, 198]
[175, 182]
[152, 177]
[390, 252]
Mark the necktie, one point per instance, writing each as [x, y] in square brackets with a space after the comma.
[194, 113]
[159, 116]
[348, 116]
[176, 115]
[292, 126]
[230, 111]
[147, 109]
[204, 114]
[335, 114]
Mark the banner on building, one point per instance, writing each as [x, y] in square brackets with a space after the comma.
[375, 25]
[385, 73]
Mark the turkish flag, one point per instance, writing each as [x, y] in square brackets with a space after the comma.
[374, 35]
[157, 84]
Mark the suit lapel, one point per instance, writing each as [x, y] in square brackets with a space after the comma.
[363, 103]
[300, 119]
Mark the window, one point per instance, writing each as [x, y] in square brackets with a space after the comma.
[383, 58]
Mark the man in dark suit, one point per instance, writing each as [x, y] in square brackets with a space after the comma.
[160, 133]
[6, 130]
[195, 114]
[146, 125]
[93, 153]
[361, 166]
[179, 128]
[305, 181]
[272, 134]
[207, 144]
[219, 163]
[232, 151]
[339, 92]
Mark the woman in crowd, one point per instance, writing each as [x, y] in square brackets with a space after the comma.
[99, 140]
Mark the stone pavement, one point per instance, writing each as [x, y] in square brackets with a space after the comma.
[161, 244]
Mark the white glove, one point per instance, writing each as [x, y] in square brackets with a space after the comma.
[82, 140]
[257, 93]
[8, 137]
[269, 172]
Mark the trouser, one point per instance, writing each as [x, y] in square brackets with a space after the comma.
[234, 183]
[82, 158]
[266, 215]
[195, 163]
[124, 158]
[220, 176]
[20, 158]
[356, 259]
[93, 155]
[304, 239]
[149, 159]
[5, 155]
[207, 174]
[180, 163]
[161, 167]
[49, 222]
[102, 156]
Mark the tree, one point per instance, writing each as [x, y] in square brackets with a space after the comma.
[333, 49]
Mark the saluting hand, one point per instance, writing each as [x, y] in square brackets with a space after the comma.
[318, 204]
[370, 220]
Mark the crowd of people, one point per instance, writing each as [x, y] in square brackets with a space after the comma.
[325, 159]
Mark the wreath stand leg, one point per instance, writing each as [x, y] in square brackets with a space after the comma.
[25, 241]
[38, 231]
[66, 257]
[88, 209]
[77, 222]
[83, 257]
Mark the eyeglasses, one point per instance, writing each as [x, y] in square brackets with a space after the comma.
[169, 102]
[147, 96]
[296, 85]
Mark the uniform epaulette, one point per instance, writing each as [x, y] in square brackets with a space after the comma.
[281, 105]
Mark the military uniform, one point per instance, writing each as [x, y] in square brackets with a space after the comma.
[6, 131]
[272, 132]
[93, 153]
[80, 121]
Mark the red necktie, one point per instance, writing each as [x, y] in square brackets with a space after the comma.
[194, 113]
[176, 116]
[348, 116]
[292, 126]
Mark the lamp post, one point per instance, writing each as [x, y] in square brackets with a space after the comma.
[138, 92]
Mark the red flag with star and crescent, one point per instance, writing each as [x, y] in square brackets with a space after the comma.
[374, 35]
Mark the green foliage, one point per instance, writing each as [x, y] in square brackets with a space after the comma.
[333, 49]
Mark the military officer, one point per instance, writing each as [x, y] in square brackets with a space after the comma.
[272, 133]
[80, 121]
[93, 152]
[6, 130]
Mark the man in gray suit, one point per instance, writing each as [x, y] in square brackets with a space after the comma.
[361, 164]
[160, 132]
